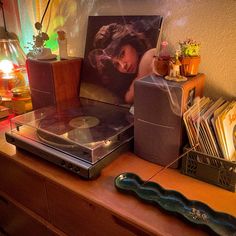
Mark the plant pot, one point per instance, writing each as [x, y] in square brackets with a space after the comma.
[189, 66]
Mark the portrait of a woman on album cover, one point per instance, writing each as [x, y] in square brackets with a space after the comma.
[118, 51]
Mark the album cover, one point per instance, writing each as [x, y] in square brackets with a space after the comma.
[206, 126]
[203, 105]
[192, 122]
[217, 112]
[211, 125]
[229, 130]
[202, 133]
[220, 132]
[115, 46]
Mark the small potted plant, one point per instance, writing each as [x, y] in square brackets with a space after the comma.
[189, 57]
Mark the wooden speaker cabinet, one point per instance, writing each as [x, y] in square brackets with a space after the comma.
[158, 108]
[53, 81]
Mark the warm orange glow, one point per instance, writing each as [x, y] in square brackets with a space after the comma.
[6, 67]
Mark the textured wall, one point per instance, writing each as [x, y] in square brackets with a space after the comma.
[212, 22]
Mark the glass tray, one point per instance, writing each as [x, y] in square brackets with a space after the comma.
[174, 202]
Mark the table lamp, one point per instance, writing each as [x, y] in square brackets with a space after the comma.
[12, 61]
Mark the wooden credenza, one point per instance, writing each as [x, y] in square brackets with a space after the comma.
[39, 198]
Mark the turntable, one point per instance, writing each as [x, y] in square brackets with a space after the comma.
[84, 134]
[80, 135]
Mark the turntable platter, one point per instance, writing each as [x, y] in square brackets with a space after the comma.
[86, 125]
[84, 122]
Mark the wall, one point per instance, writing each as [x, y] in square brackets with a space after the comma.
[212, 22]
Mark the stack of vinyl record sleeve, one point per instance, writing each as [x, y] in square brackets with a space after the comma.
[211, 127]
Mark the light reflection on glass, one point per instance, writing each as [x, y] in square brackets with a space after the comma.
[12, 66]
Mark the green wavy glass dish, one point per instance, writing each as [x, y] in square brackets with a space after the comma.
[174, 202]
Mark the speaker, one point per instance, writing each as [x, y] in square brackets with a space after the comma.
[158, 109]
[53, 81]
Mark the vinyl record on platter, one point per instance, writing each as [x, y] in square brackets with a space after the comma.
[83, 122]
[54, 141]
[85, 125]
[55, 124]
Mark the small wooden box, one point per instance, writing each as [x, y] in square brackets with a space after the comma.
[53, 81]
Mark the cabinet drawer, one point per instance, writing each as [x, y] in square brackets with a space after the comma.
[15, 221]
[24, 186]
[77, 216]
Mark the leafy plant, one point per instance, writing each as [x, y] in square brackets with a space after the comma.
[189, 48]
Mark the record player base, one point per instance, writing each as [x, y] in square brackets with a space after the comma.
[39, 198]
[78, 166]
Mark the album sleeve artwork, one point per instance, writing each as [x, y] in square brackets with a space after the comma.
[114, 48]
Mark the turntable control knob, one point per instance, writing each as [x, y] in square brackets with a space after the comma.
[76, 169]
[63, 163]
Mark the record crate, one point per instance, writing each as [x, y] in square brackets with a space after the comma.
[213, 170]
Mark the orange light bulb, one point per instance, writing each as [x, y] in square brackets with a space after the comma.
[6, 67]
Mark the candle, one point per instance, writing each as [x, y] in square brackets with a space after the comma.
[62, 43]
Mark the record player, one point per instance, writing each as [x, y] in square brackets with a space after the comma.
[87, 132]
[80, 135]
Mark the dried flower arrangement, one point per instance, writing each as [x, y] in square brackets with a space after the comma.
[38, 46]
[38, 41]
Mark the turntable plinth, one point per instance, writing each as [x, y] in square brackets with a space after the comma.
[39, 198]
